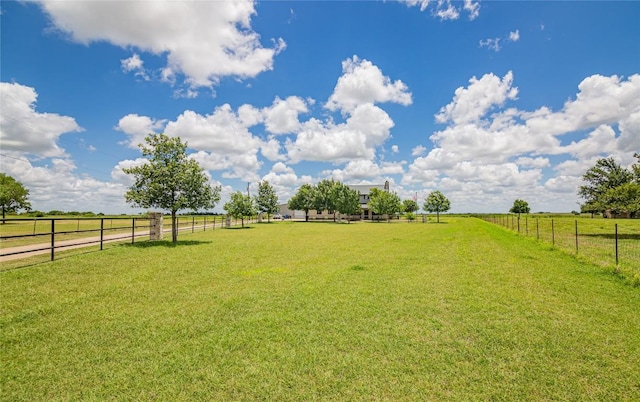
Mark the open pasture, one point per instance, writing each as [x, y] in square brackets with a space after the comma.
[462, 310]
[611, 243]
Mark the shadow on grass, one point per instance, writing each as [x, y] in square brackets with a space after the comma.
[612, 236]
[239, 227]
[166, 243]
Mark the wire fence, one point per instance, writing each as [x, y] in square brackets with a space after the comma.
[606, 242]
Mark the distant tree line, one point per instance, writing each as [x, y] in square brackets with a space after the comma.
[335, 197]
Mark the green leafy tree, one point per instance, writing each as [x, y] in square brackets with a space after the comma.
[347, 200]
[267, 200]
[590, 208]
[436, 202]
[303, 200]
[240, 206]
[409, 206]
[520, 207]
[635, 168]
[170, 180]
[604, 176]
[384, 203]
[624, 198]
[13, 195]
[324, 196]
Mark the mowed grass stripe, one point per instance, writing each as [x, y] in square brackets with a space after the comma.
[317, 311]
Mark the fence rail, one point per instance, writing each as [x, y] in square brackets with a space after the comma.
[29, 236]
[609, 243]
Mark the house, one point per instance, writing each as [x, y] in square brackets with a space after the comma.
[363, 190]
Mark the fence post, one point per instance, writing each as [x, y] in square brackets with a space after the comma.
[53, 236]
[101, 232]
[616, 246]
[526, 225]
[576, 237]
[205, 223]
[133, 229]
[537, 229]
[193, 224]
[518, 224]
[35, 220]
[553, 234]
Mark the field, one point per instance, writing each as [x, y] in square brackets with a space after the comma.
[463, 310]
[593, 240]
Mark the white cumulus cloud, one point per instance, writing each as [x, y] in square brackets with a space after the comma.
[471, 103]
[138, 127]
[24, 129]
[363, 82]
[202, 40]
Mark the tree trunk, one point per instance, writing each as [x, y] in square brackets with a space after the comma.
[438, 216]
[306, 215]
[242, 220]
[174, 227]
[3, 214]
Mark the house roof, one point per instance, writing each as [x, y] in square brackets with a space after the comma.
[366, 188]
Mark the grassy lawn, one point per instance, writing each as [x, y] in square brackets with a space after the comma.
[462, 310]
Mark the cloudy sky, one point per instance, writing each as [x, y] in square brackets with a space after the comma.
[484, 101]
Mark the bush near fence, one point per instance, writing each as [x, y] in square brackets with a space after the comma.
[610, 243]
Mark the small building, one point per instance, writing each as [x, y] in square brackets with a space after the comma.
[617, 215]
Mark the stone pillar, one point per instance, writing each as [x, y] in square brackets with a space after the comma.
[227, 222]
[155, 225]
[260, 218]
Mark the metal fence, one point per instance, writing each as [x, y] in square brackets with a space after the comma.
[606, 242]
[37, 236]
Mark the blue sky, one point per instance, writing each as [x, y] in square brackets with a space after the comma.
[484, 101]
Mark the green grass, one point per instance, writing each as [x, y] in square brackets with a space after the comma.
[596, 239]
[462, 310]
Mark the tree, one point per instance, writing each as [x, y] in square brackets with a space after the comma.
[347, 200]
[324, 197]
[410, 206]
[520, 207]
[589, 208]
[267, 200]
[605, 175]
[436, 202]
[13, 195]
[384, 203]
[624, 198]
[170, 179]
[635, 168]
[240, 206]
[303, 200]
